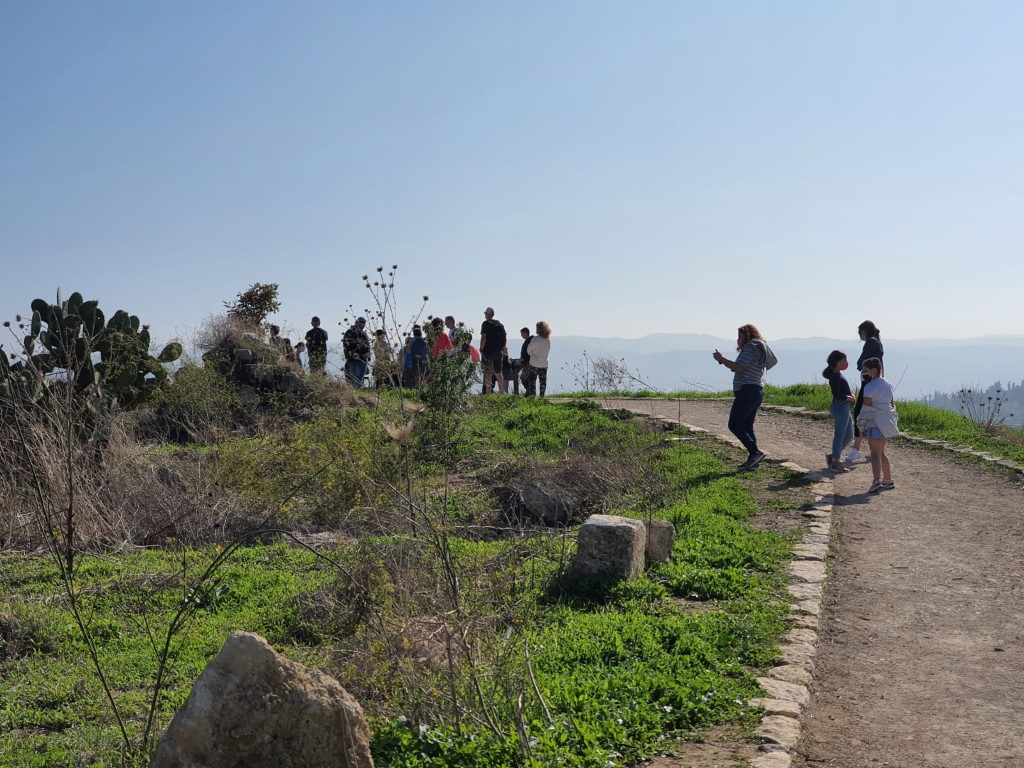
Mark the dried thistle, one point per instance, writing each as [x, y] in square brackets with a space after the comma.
[399, 433]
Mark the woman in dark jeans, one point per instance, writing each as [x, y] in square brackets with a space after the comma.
[872, 339]
[748, 385]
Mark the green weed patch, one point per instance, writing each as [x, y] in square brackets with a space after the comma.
[464, 650]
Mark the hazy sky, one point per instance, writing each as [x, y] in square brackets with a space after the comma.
[614, 168]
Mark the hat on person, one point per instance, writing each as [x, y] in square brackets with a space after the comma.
[361, 320]
[489, 311]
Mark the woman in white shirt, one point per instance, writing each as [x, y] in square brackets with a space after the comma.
[538, 349]
[877, 422]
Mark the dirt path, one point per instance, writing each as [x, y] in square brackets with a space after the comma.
[921, 658]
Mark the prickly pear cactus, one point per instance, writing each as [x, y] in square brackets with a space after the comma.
[105, 359]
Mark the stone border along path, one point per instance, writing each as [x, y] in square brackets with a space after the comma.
[920, 627]
[787, 685]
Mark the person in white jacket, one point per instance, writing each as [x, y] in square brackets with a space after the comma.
[539, 348]
[877, 421]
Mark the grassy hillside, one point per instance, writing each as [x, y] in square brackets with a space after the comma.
[434, 600]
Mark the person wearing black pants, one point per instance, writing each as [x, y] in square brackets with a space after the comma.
[872, 339]
[748, 385]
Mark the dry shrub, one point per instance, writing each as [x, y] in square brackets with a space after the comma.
[227, 332]
[327, 392]
[407, 631]
[116, 494]
[592, 476]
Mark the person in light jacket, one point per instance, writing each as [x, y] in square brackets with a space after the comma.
[877, 421]
[538, 349]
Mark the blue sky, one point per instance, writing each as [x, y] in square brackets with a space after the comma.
[613, 168]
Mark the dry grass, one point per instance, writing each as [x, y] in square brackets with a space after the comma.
[123, 494]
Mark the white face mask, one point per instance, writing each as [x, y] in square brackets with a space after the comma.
[863, 336]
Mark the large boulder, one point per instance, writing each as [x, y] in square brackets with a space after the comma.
[252, 707]
[610, 548]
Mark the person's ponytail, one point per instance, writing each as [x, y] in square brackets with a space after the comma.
[835, 357]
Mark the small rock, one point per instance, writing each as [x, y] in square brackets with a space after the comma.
[800, 635]
[790, 673]
[799, 654]
[780, 689]
[661, 537]
[784, 731]
[777, 707]
[810, 571]
[812, 607]
[805, 591]
[772, 760]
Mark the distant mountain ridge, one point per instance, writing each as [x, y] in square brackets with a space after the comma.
[920, 367]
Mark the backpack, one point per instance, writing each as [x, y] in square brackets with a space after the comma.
[769, 358]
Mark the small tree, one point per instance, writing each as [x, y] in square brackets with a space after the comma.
[254, 304]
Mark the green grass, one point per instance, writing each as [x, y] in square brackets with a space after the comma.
[54, 712]
[623, 672]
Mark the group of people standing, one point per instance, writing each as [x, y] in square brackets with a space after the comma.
[502, 371]
[432, 341]
[873, 416]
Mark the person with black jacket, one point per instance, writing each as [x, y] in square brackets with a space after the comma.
[356, 346]
[316, 346]
[524, 360]
[872, 339]
[492, 341]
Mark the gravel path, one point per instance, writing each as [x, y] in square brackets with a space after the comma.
[921, 657]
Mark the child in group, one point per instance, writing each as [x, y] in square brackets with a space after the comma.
[878, 423]
[842, 397]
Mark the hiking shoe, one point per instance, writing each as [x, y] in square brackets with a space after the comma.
[838, 466]
[888, 485]
[755, 461]
[852, 456]
[876, 487]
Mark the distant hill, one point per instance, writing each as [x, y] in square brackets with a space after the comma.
[920, 367]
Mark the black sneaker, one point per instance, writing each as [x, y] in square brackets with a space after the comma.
[755, 461]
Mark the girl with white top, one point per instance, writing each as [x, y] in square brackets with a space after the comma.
[538, 349]
[877, 423]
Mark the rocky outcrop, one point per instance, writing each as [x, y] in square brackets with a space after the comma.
[252, 707]
[257, 372]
